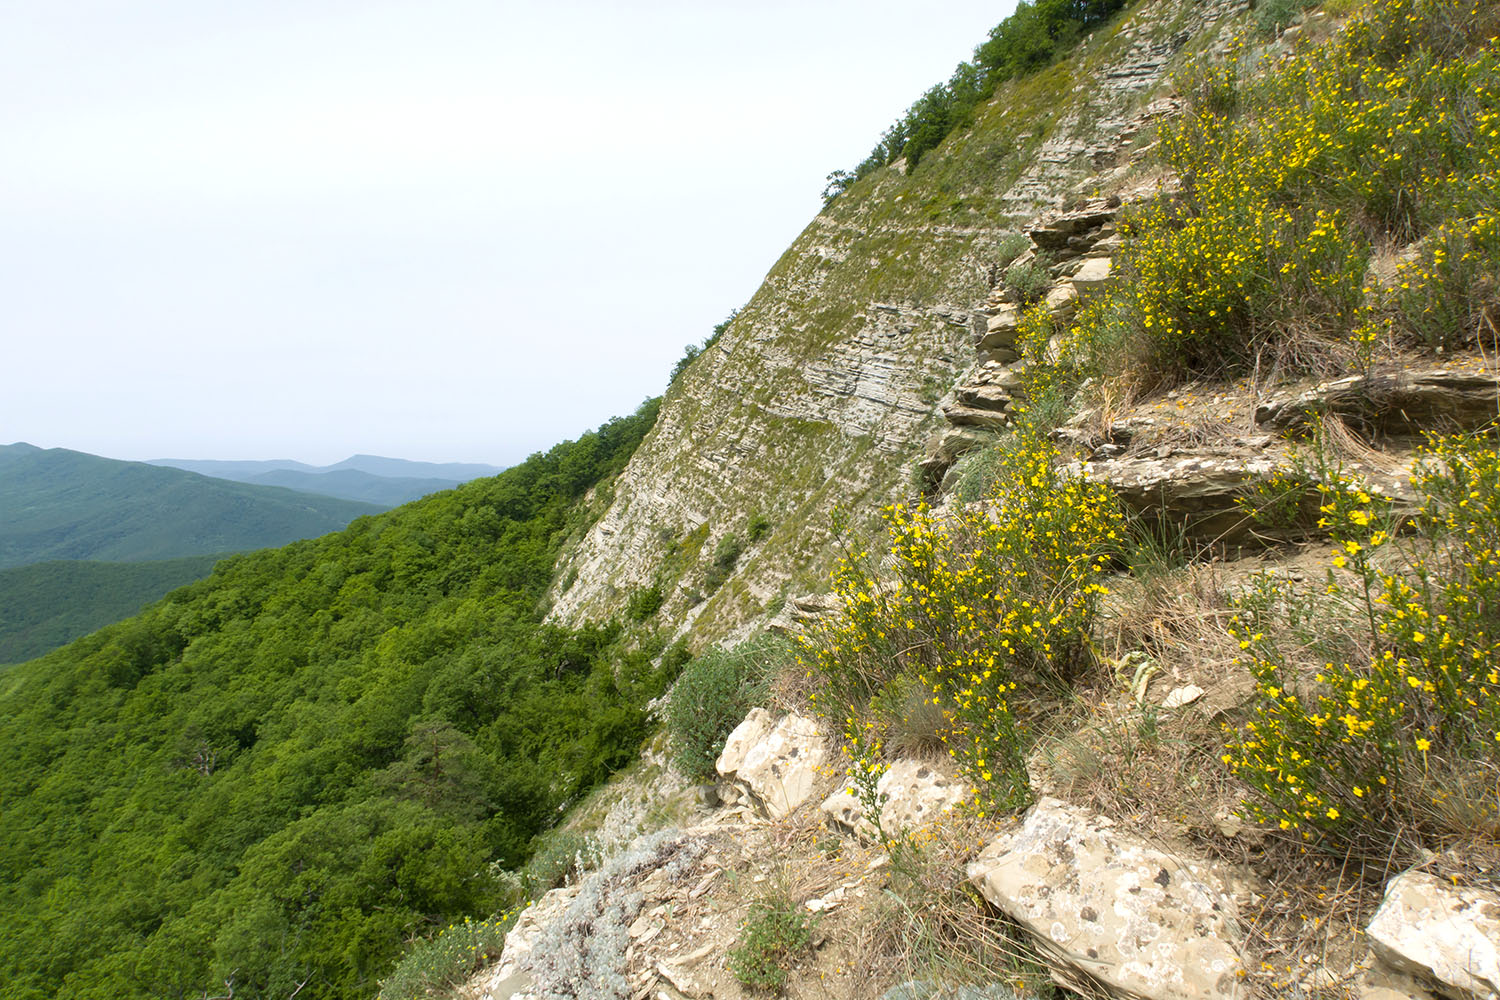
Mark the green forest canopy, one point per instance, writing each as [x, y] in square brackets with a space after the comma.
[281, 773]
[47, 604]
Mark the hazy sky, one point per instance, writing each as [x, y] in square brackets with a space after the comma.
[439, 230]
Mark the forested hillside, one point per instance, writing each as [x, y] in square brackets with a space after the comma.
[281, 773]
[47, 604]
[61, 504]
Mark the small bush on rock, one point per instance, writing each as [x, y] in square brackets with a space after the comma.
[443, 962]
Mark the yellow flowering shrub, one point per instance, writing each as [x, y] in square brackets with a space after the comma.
[1371, 744]
[993, 596]
[1384, 136]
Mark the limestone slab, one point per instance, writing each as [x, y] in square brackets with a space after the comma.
[1107, 908]
[1444, 934]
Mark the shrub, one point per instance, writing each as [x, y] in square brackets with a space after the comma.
[1292, 178]
[974, 474]
[1271, 16]
[1029, 281]
[446, 960]
[756, 529]
[776, 932]
[643, 603]
[1397, 733]
[557, 856]
[998, 594]
[726, 555]
[712, 696]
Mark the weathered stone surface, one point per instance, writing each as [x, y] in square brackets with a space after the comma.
[1385, 993]
[994, 396]
[1197, 492]
[1001, 328]
[1105, 908]
[945, 449]
[800, 612]
[1200, 492]
[914, 793]
[755, 727]
[1062, 301]
[1441, 933]
[1054, 232]
[1181, 697]
[776, 762]
[1402, 403]
[998, 342]
[972, 416]
[1091, 279]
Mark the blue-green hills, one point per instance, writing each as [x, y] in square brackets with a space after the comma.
[61, 504]
[369, 478]
[85, 541]
[44, 605]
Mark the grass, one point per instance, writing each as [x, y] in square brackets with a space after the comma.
[440, 964]
[932, 926]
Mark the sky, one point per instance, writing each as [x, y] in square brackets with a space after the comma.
[444, 230]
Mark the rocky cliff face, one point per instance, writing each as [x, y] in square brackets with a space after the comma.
[823, 392]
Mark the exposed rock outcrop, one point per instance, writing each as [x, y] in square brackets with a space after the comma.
[800, 613]
[821, 390]
[1403, 403]
[1109, 910]
[775, 763]
[1443, 934]
[912, 793]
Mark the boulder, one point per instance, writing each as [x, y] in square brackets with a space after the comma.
[798, 613]
[999, 340]
[913, 793]
[1106, 909]
[945, 449]
[775, 762]
[1443, 934]
[1091, 279]
[1404, 403]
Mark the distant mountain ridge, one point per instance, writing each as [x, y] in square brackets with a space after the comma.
[367, 478]
[62, 504]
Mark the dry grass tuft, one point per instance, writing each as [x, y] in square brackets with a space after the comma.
[933, 925]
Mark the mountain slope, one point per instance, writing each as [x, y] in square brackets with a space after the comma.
[44, 605]
[282, 773]
[61, 504]
[822, 391]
